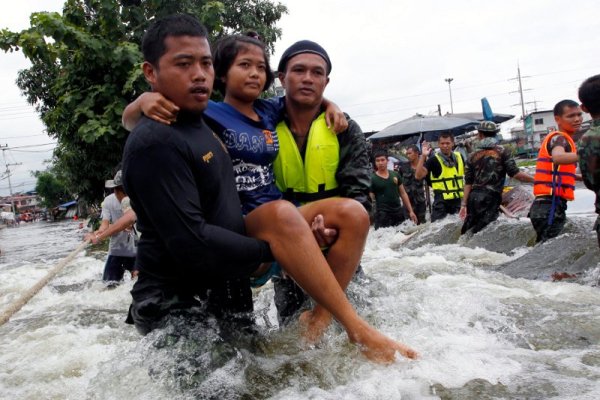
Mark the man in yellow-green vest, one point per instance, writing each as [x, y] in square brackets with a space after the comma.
[313, 162]
[445, 173]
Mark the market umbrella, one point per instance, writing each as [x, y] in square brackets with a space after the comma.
[428, 126]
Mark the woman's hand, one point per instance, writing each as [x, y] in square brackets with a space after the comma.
[334, 117]
[325, 236]
[157, 107]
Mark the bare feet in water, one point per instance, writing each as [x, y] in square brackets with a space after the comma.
[379, 348]
[313, 326]
[373, 344]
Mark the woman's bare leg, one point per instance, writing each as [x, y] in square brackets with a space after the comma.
[351, 221]
[295, 248]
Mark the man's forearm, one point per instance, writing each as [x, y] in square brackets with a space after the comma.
[420, 170]
[523, 177]
[120, 225]
[466, 193]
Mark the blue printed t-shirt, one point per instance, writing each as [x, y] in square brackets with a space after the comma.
[252, 145]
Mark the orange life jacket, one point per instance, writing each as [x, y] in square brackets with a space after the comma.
[554, 179]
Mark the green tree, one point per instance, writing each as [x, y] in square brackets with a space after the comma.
[86, 68]
[51, 189]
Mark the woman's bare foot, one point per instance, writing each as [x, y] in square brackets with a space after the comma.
[377, 347]
[313, 326]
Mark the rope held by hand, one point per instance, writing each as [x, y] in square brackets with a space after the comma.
[28, 295]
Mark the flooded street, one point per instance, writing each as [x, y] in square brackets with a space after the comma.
[482, 310]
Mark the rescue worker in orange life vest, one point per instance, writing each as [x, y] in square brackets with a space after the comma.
[554, 180]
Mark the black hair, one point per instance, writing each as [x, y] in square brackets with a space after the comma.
[227, 49]
[589, 95]
[488, 133]
[153, 42]
[380, 153]
[414, 148]
[447, 135]
[252, 34]
[559, 108]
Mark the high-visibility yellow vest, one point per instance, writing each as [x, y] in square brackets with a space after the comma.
[314, 177]
[450, 182]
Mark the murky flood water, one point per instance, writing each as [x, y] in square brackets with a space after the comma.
[482, 311]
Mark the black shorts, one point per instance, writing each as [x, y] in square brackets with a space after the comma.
[387, 218]
[153, 301]
[442, 208]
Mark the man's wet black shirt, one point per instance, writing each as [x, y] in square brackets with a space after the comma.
[180, 181]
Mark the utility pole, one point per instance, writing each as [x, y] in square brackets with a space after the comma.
[535, 104]
[522, 102]
[12, 203]
[449, 80]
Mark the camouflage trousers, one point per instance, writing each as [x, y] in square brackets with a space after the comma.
[482, 209]
[420, 210]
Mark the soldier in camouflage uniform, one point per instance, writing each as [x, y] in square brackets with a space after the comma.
[589, 145]
[414, 187]
[485, 174]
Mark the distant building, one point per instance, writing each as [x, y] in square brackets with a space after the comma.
[22, 202]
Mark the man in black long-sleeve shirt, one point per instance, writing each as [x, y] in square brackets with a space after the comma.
[181, 185]
[180, 178]
[192, 231]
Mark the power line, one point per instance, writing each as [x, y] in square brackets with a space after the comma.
[18, 185]
[20, 117]
[33, 151]
[20, 137]
[454, 89]
[30, 145]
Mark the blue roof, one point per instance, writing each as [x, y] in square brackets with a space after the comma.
[69, 204]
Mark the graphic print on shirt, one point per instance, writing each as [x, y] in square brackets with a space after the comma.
[251, 155]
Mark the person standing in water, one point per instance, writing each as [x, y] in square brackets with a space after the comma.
[187, 244]
[313, 163]
[589, 145]
[386, 190]
[485, 174]
[122, 244]
[555, 173]
[446, 171]
[415, 188]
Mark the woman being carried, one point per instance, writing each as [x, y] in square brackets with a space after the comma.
[246, 125]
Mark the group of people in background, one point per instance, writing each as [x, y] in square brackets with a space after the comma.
[473, 187]
[230, 195]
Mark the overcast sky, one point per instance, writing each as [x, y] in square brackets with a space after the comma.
[390, 60]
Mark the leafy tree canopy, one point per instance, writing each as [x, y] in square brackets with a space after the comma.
[51, 189]
[86, 69]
